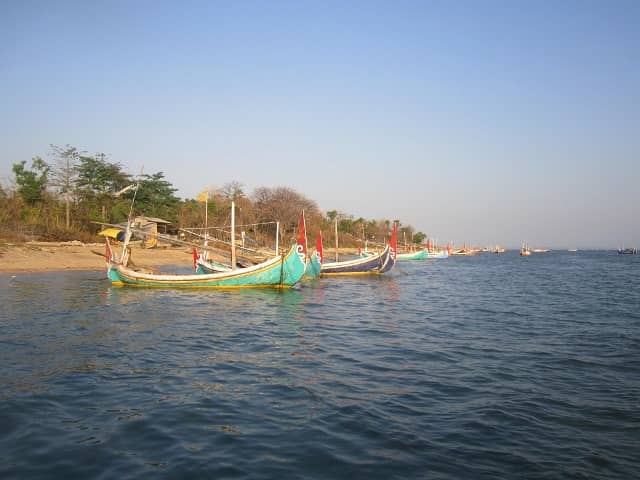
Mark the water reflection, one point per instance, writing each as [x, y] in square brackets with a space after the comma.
[79, 325]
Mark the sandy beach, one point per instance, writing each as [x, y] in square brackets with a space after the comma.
[42, 256]
[50, 256]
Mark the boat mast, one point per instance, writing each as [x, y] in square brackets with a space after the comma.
[304, 222]
[206, 218]
[124, 259]
[233, 235]
[336, 231]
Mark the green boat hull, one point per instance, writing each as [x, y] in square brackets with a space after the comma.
[278, 272]
[313, 267]
[420, 255]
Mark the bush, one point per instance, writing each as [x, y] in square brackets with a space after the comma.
[62, 234]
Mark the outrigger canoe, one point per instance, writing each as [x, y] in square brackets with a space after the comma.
[373, 264]
[281, 271]
[419, 255]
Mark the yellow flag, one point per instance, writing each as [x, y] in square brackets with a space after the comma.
[203, 197]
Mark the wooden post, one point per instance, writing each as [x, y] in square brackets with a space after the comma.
[206, 218]
[233, 235]
[336, 238]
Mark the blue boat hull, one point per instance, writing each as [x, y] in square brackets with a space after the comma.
[371, 265]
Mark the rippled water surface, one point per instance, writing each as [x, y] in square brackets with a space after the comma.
[492, 366]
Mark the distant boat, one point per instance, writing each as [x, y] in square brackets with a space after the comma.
[464, 251]
[572, 250]
[627, 251]
[540, 250]
[525, 251]
[438, 254]
[435, 252]
[370, 265]
[419, 255]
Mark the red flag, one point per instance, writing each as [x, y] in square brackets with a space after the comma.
[195, 258]
[319, 247]
[428, 246]
[302, 235]
[393, 242]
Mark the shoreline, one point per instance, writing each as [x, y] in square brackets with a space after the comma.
[68, 256]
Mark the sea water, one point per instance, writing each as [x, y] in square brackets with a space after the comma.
[485, 367]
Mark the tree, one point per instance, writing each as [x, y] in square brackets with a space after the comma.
[155, 197]
[282, 204]
[32, 183]
[419, 237]
[359, 227]
[232, 191]
[405, 233]
[331, 215]
[98, 184]
[190, 214]
[64, 174]
[97, 177]
[345, 225]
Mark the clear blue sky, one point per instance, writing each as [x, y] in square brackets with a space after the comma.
[481, 121]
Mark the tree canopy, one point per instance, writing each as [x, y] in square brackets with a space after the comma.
[155, 197]
[91, 188]
[32, 183]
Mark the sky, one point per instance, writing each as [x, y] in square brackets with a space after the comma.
[485, 122]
